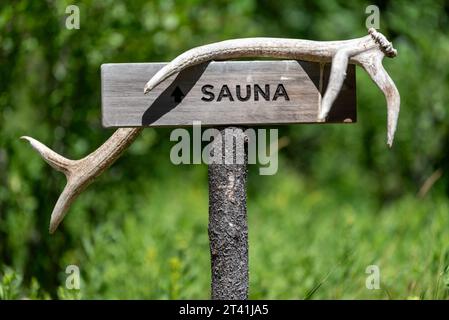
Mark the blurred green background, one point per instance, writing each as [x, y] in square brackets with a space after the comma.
[341, 200]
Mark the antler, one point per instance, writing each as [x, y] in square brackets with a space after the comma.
[367, 52]
[81, 173]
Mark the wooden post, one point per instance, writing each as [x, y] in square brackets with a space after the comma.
[225, 95]
[228, 225]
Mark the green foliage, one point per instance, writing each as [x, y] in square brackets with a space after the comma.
[11, 287]
[340, 202]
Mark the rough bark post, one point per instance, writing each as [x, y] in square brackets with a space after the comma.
[228, 226]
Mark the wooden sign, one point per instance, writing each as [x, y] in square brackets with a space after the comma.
[223, 93]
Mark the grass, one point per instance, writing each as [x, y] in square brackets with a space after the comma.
[305, 242]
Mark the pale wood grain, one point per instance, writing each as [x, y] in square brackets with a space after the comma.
[125, 105]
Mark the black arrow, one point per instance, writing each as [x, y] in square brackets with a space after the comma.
[178, 94]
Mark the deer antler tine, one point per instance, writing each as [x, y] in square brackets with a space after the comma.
[68, 167]
[71, 191]
[379, 75]
[336, 78]
[81, 173]
[52, 158]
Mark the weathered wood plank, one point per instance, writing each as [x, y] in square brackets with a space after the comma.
[222, 93]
